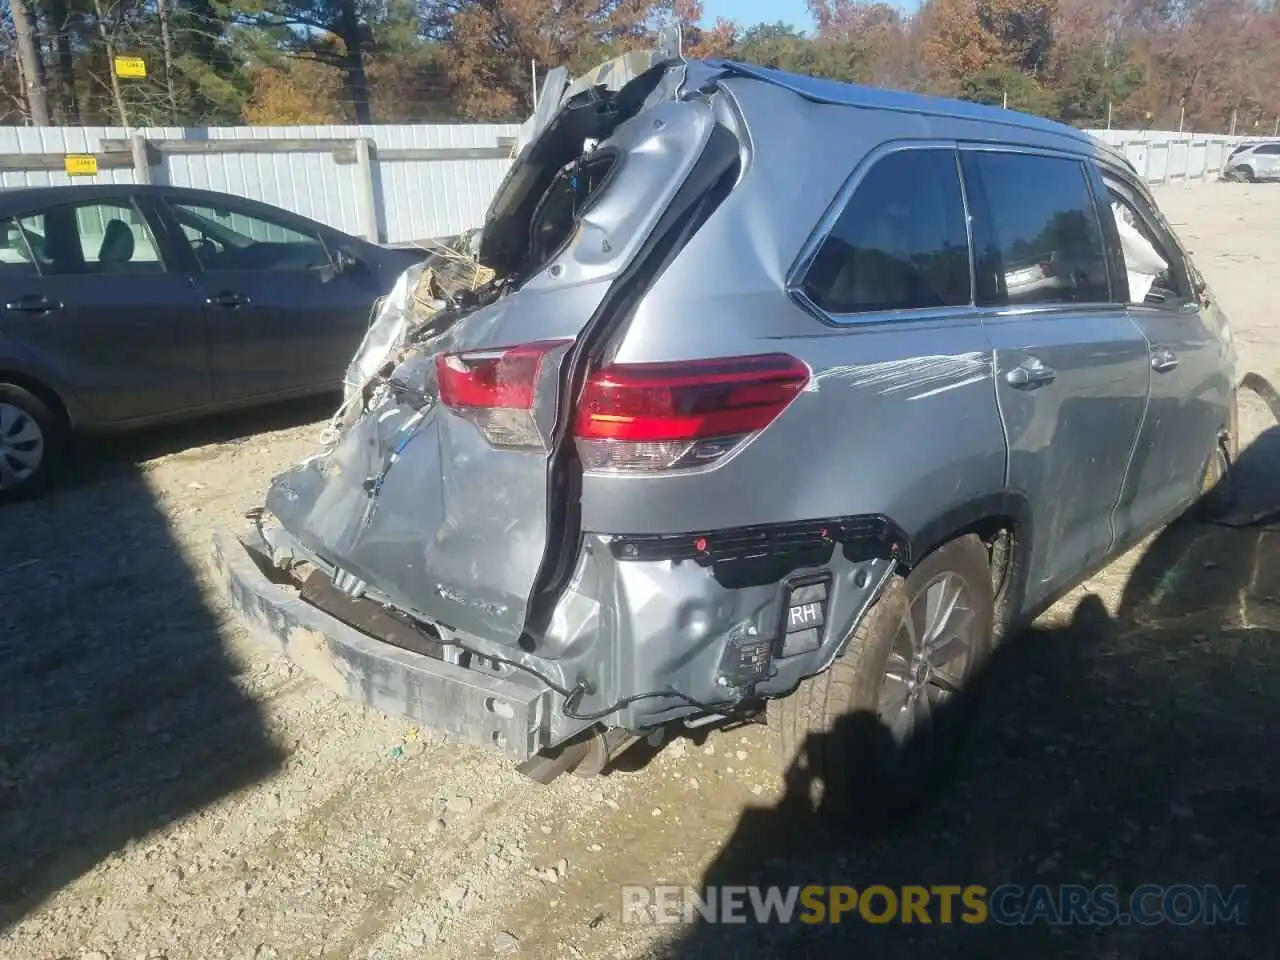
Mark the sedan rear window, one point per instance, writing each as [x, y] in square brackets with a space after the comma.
[900, 242]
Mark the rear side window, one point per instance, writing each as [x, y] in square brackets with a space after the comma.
[1035, 230]
[900, 242]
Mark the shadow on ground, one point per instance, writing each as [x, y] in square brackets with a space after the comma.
[1124, 750]
[119, 708]
[97, 459]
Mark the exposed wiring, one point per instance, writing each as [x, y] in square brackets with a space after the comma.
[571, 702]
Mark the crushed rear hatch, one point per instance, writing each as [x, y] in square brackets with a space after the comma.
[437, 488]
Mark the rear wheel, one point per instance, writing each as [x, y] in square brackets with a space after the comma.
[876, 733]
[32, 442]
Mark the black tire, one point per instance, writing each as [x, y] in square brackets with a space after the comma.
[1245, 174]
[832, 730]
[27, 410]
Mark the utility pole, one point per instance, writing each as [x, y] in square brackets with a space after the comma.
[162, 8]
[30, 63]
[1108, 114]
[533, 70]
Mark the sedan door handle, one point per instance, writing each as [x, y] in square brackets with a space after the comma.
[1030, 374]
[227, 299]
[1163, 360]
[34, 304]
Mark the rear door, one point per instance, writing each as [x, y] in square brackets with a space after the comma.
[1189, 390]
[1266, 161]
[1071, 367]
[93, 296]
[284, 317]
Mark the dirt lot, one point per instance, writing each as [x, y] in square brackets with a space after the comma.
[168, 790]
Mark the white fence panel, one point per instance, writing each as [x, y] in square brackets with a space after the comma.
[403, 199]
[410, 199]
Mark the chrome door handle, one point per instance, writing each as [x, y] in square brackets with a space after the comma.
[227, 299]
[33, 304]
[1163, 360]
[1030, 374]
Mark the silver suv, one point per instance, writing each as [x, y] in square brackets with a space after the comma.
[1254, 161]
[785, 398]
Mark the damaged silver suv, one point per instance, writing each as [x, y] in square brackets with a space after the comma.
[761, 395]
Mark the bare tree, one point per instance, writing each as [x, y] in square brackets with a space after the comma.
[32, 66]
[107, 42]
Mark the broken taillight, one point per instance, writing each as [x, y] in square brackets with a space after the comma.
[637, 418]
[495, 390]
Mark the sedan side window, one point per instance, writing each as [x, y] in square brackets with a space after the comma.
[900, 243]
[99, 238]
[225, 238]
[1036, 234]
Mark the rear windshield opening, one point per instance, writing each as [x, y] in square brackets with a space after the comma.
[563, 204]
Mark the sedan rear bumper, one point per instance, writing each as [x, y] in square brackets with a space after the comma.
[466, 703]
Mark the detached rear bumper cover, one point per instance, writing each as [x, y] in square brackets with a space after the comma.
[434, 693]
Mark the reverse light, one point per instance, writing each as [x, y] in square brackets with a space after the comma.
[638, 418]
[495, 390]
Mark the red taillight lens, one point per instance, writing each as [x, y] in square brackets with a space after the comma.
[494, 389]
[660, 416]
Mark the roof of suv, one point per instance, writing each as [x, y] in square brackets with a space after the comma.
[876, 98]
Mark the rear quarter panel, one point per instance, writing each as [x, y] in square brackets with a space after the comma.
[900, 416]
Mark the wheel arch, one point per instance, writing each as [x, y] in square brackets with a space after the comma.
[1003, 521]
[39, 388]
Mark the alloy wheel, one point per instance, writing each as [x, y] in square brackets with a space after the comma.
[929, 661]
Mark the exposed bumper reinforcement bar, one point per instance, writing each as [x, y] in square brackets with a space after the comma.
[436, 694]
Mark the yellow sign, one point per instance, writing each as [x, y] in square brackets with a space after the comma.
[81, 165]
[131, 67]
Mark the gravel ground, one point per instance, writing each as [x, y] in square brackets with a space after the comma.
[168, 790]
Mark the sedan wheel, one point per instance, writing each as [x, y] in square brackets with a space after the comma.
[32, 440]
[21, 446]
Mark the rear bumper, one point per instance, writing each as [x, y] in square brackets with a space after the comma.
[466, 703]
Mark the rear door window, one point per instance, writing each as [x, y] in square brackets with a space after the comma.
[96, 237]
[900, 243]
[1153, 264]
[1036, 234]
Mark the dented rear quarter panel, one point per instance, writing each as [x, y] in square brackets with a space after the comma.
[899, 417]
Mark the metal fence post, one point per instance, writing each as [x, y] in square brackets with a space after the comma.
[141, 159]
[368, 197]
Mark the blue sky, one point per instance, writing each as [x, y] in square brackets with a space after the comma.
[749, 12]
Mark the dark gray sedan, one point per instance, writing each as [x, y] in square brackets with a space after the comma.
[125, 306]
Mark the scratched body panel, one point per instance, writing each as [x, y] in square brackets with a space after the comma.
[908, 418]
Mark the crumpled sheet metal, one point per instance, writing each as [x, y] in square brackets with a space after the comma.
[419, 294]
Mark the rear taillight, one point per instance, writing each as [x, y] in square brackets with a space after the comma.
[639, 418]
[495, 390]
